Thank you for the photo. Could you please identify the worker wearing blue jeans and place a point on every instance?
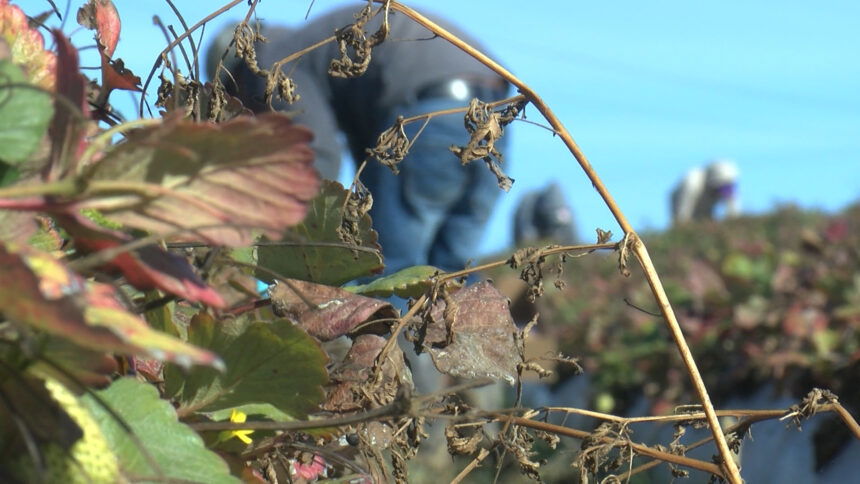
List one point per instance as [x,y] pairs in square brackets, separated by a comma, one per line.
[436,209]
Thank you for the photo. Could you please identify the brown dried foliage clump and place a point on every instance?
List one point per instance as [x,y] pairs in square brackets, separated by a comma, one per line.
[485,126]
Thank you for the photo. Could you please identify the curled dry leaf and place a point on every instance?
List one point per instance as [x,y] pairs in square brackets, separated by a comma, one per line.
[463,440]
[482,335]
[485,127]
[220,183]
[350,378]
[355,46]
[199,101]
[327,312]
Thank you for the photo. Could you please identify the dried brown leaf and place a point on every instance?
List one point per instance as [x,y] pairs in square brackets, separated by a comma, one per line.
[353,389]
[352,39]
[481,333]
[463,440]
[327,312]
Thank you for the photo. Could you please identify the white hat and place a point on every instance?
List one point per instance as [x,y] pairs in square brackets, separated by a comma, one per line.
[721,172]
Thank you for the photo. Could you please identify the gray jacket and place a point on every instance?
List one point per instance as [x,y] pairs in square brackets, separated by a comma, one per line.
[409,59]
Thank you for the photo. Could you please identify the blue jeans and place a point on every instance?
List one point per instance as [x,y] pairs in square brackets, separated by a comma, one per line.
[435,210]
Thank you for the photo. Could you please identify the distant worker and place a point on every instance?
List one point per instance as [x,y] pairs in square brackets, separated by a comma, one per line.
[544,215]
[435,210]
[700,192]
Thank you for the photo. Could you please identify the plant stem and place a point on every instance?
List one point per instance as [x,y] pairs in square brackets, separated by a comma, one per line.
[482,454]
[66,187]
[732,473]
[638,448]
[103,139]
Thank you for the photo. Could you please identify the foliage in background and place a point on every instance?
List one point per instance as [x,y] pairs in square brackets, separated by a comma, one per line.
[771,298]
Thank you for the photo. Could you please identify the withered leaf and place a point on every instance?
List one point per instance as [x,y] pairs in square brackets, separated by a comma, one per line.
[350,377]
[17,226]
[327,312]
[482,339]
[463,440]
[485,127]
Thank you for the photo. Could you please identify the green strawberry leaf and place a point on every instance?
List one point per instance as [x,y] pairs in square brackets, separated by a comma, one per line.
[275,363]
[410,282]
[315,262]
[173,452]
[25,113]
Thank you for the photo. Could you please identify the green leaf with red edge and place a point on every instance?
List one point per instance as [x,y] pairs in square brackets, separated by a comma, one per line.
[222,184]
[101,16]
[38,291]
[103,309]
[325,265]
[147,267]
[276,363]
[27,46]
[25,113]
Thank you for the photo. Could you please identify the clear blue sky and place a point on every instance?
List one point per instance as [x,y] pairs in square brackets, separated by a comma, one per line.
[648,90]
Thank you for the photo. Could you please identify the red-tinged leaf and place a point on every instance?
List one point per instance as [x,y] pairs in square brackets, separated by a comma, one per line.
[68,127]
[148,267]
[116,76]
[27,46]
[38,291]
[103,309]
[222,183]
[101,16]
[327,312]
[482,342]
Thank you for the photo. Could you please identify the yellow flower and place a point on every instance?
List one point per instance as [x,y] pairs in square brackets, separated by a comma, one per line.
[237,416]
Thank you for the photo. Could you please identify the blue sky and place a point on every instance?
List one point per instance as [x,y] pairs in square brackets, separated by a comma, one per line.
[648,90]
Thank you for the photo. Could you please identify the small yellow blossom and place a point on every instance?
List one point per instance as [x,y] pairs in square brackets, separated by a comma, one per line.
[237,416]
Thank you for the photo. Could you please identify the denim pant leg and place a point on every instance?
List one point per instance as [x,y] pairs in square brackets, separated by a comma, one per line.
[435,210]
[458,238]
